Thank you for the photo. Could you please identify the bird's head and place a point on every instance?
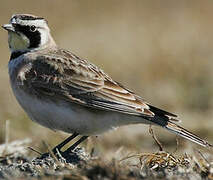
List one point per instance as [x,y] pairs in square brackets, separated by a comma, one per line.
[28,32]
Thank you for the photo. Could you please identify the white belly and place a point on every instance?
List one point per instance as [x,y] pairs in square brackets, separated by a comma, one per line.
[72,117]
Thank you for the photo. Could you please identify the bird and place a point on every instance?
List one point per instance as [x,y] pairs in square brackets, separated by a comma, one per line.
[62,91]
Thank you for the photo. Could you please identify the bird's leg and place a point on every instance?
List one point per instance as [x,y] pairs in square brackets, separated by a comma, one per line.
[62,144]
[66,153]
[72,147]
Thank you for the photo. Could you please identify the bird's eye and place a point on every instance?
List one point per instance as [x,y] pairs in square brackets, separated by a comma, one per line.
[32,28]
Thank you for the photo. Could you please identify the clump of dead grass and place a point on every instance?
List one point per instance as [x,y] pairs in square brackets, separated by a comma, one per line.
[15,163]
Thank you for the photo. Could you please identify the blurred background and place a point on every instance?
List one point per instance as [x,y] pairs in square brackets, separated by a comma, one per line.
[162,50]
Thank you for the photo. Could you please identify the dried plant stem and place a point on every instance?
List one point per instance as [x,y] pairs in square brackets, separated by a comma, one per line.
[155,138]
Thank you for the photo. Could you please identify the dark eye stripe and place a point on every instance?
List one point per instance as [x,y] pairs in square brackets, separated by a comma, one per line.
[34,37]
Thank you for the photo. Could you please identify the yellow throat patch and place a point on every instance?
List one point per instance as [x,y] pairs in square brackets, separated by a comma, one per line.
[18,42]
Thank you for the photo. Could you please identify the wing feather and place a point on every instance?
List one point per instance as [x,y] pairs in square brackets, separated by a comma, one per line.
[64,75]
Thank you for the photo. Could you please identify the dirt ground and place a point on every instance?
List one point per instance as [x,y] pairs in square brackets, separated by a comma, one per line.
[16,163]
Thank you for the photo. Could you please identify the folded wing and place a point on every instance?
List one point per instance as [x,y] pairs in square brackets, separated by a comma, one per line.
[65,76]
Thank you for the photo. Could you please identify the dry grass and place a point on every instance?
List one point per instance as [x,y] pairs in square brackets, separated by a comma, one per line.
[17,164]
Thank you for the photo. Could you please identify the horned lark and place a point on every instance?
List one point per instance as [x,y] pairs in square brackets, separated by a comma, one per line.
[62,91]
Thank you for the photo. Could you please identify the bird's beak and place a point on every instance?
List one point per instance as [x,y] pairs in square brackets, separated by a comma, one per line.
[8,27]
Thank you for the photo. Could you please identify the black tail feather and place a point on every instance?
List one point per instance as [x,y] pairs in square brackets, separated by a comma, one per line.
[174,128]
[166,120]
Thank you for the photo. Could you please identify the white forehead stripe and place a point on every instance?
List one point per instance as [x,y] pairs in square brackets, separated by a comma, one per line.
[25,22]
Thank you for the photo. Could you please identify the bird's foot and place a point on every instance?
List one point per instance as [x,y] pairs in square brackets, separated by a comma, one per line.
[73,156]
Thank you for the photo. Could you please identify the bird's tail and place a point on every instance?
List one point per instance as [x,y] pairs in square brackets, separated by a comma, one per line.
[186,134]
[167,120]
